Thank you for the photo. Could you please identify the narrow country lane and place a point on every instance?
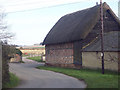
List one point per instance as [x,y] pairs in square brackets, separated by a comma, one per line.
[34,78]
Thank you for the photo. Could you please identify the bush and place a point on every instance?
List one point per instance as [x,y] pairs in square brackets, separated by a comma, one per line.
[5,66]
[7,52]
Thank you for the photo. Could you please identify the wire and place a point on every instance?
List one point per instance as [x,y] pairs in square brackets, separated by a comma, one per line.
[44,7]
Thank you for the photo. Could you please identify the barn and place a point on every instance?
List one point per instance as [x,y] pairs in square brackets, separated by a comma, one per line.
[66,42]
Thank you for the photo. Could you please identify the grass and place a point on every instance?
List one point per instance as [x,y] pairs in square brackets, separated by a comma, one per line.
[25,55]
[22,62]
[37,58]
[93,78]
[14,81]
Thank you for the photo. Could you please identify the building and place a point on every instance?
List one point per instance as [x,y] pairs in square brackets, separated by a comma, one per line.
[17,56]
[67,40]
[33,50]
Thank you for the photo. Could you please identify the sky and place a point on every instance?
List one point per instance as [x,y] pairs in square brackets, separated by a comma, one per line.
[31,20]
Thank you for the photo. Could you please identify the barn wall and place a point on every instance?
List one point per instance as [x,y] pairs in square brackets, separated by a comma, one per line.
[59,54]
[93,60]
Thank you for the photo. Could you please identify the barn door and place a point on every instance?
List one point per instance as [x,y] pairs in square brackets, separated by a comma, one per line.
[77,52]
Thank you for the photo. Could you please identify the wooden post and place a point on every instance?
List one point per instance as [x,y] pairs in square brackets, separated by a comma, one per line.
[102,37]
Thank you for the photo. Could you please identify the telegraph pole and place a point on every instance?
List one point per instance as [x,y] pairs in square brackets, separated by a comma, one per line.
[102,33]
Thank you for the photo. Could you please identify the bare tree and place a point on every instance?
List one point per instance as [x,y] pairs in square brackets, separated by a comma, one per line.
[4,33]
[110,58]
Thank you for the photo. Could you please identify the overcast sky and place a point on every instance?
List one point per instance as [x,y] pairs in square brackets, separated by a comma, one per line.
[31,20]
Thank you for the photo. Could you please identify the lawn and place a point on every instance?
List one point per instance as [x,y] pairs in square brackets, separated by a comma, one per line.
[93,78]
[14,81]
[36,58]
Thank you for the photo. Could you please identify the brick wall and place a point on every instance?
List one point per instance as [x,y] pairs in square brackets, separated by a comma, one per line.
[59,54]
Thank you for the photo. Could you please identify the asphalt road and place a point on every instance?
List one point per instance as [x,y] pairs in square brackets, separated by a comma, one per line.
[35,78]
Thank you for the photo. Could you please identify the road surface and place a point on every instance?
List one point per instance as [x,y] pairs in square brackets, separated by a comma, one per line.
[35,78]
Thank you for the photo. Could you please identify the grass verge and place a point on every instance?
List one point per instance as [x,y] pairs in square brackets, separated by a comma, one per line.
[22,62]
[37,58]
[14,81]
[24,55]
[93,78]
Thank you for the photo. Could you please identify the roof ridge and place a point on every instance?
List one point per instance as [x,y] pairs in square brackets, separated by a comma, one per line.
[80,10]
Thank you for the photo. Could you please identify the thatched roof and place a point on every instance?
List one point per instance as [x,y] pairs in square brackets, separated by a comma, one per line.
[111,42]
[76,26]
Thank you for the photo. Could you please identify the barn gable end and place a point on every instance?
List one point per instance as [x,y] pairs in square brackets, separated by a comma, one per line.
[110,24]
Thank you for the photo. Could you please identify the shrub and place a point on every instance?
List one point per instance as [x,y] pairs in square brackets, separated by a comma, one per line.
[5,66]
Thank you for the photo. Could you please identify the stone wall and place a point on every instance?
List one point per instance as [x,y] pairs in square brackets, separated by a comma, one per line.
[93,60]
[59,54]
[17,58]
